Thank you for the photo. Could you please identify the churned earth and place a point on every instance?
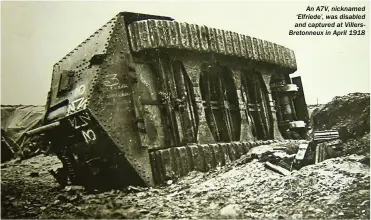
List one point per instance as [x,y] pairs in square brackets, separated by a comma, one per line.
[337,188]
[333,189]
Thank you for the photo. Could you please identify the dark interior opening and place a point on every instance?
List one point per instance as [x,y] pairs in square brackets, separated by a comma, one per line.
[219,94]
[258,103]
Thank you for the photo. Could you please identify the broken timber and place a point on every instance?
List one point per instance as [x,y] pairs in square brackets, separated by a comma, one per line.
[277,168]
[323,141]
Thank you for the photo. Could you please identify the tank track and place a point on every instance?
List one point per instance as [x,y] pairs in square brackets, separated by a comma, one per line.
[172,163]
[152,34]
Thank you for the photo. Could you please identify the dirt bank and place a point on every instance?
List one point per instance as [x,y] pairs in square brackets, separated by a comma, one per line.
[350,114]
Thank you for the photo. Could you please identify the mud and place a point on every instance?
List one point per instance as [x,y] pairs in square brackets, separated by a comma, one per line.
[336,188]
[350,114]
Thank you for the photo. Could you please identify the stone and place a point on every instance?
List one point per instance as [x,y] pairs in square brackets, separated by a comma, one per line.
[277,199]
[134,189]
[144,211]
[213,205]
[73,188]
[56,202]
[34,174]
[231,210]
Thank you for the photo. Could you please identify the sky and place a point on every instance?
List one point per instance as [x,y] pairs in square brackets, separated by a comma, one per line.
[36,35]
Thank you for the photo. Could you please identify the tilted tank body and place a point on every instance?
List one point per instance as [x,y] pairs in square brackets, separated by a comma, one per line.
[146,99]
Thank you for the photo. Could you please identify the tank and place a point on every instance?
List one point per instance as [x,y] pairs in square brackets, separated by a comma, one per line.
[146,99]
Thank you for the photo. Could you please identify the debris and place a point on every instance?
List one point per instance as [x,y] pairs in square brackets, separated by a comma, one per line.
[213,205]
[277,169]
[365,160]
[277,199]
[364,202]
[350,112]
[8,147]
[301,152]
[323,141]
[279,148]
[350,115]
[34,174]
[231,210]
[62,198]
[324,190]
[73,189]
[16,121]
[134,189]
[255,189]
[144,211]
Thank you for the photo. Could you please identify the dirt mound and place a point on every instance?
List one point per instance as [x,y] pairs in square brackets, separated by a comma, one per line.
[350,112]
[16,120]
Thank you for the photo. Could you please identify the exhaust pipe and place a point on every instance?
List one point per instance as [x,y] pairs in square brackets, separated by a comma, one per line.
[43,129]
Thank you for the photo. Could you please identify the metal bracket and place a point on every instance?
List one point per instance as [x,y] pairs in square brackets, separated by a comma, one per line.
[140,125]
[150,102]
[179,103]
[285,88]
[297,124]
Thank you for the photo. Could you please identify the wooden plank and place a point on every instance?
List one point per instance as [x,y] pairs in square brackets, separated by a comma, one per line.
[277,169]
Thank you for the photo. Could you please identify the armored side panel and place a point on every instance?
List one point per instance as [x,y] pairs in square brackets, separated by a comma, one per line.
[299,101]
[146,99]
[91,96]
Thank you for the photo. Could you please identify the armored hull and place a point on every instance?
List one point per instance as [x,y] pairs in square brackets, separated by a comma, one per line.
[146,99]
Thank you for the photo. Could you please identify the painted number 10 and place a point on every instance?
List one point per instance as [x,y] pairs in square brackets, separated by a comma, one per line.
[89,136]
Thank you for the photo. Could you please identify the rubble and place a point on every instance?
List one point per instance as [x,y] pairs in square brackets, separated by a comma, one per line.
[237,190]
[277,169]
[16,120]
[231,210]
[336,188]
[350,114]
